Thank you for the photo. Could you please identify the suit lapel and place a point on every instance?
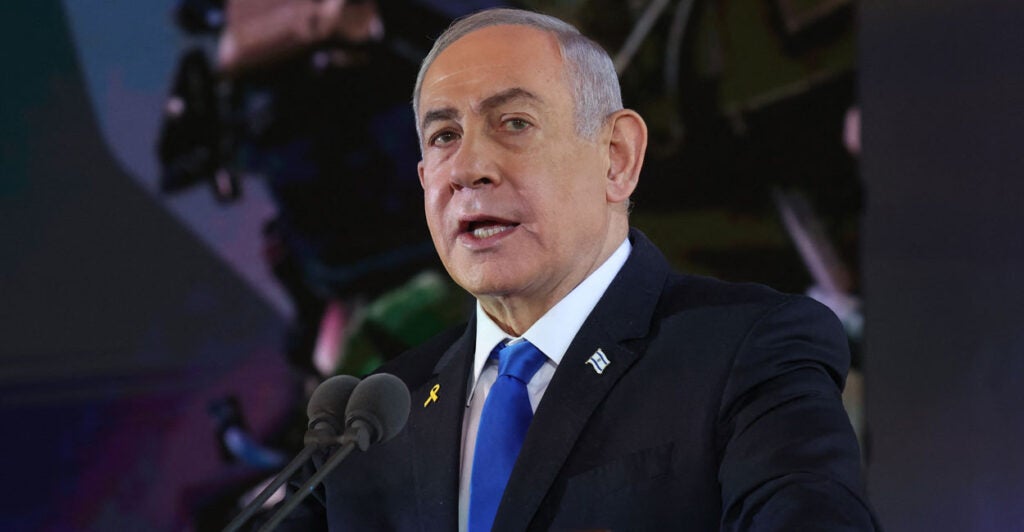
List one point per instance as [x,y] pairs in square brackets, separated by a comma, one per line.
[618,326]
[435,428]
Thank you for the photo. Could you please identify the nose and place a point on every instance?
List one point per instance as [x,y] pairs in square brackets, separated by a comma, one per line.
[473,165]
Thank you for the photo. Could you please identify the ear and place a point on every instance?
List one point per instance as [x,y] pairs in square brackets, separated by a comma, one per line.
[419,170]
[626,148]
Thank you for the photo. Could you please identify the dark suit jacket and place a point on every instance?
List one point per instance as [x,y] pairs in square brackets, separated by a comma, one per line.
[720,409]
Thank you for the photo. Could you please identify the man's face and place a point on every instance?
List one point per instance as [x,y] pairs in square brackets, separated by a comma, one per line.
[514,198]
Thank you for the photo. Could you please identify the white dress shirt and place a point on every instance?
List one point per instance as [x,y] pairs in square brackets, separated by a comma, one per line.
[552,334]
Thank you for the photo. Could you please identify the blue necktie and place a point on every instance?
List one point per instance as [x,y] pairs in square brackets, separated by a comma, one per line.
[503,423]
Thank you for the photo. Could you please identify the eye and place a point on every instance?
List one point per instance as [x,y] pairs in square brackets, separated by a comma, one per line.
[516,124]
[442,138]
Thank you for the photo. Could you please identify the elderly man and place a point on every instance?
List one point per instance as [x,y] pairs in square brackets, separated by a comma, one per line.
[593,388]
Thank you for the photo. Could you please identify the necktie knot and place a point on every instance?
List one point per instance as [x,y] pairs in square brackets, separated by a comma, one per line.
[520,361]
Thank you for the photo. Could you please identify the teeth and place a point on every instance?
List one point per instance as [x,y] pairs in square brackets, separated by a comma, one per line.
[489,231]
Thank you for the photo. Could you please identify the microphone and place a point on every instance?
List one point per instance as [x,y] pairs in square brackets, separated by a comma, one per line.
[376,412]
[324,410]
[327,400]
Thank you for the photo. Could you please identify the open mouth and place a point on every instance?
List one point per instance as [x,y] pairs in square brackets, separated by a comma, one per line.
[482,229]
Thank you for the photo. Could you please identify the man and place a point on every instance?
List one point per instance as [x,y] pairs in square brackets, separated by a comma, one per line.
[659,401]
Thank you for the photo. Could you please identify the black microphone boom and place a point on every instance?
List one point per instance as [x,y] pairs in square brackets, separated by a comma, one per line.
[328,400]
[376,412]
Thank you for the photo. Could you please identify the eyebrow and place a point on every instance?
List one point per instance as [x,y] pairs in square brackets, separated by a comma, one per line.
[489,103]
[507,95]
[436,115]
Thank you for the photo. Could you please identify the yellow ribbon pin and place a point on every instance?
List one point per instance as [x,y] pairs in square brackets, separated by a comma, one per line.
[433,395]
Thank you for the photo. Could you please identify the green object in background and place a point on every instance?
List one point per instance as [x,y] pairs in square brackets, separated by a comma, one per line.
[402,318]
[419,309]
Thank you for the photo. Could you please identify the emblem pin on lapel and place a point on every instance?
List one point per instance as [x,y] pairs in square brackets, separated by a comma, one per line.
[433,395]
[598,361]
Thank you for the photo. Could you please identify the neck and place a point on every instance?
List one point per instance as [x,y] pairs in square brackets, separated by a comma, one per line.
[513,315]
[516,313]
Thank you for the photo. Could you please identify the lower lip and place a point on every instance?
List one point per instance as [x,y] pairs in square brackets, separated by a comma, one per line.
[468,240]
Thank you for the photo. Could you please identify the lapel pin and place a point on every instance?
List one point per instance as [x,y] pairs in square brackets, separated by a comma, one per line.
[433,395]
[598,361]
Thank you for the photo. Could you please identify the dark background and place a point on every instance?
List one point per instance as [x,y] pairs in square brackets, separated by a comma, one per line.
[943,256]
[120,320]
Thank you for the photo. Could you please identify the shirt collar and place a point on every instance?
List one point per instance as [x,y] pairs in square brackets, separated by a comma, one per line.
[555,330]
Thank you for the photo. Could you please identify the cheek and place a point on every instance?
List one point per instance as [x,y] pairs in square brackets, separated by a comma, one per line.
[431,195]
[434,202]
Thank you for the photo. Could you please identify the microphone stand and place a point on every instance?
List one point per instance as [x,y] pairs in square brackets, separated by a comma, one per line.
[313,443]
[357,435]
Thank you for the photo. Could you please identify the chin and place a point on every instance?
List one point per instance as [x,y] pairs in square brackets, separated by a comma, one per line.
[486,282]
[482,288]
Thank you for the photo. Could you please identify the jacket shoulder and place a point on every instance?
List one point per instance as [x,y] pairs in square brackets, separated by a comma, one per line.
[417,364]
[683,290]
[740,303]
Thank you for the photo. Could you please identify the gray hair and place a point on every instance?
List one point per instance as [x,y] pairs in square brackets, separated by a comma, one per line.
[589,71]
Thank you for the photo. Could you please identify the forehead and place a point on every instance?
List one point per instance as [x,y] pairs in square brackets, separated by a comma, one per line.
[491,60]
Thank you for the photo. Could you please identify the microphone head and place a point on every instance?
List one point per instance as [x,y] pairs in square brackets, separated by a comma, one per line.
[381,401]
[329,400]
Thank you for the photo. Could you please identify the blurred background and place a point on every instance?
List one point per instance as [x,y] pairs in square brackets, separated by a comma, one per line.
[209,206]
